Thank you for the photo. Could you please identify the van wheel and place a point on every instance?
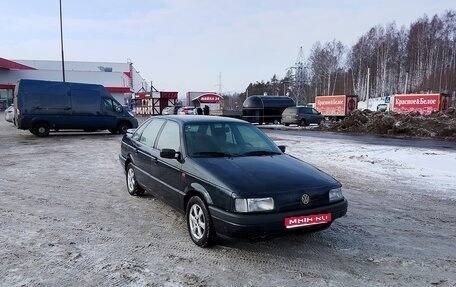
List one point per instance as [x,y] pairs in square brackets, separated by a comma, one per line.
[41,129]
[123,127]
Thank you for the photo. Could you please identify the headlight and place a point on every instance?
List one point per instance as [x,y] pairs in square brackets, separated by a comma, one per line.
[254,204]
[335,194]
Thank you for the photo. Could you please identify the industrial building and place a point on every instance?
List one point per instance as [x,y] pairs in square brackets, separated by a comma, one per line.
[122,80]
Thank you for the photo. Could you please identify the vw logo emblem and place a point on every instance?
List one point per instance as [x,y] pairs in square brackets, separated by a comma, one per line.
[305,199]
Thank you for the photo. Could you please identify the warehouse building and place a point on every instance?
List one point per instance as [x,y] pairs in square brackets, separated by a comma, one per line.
[122,80]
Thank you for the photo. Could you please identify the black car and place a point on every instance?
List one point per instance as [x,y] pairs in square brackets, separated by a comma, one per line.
[302,116]
[228,178]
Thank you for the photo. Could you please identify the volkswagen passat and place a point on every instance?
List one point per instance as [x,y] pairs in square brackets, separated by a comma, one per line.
[228,178]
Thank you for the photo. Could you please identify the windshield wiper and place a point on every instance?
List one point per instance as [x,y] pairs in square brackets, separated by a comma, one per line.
[214,154]
[260,152]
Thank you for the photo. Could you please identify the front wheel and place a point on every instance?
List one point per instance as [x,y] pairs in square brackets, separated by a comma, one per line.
[123,127]
[199,222]
[41,129]
[132,184]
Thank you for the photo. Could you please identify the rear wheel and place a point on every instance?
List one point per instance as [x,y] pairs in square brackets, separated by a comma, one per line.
[132,185]
[41,129]
[199,222]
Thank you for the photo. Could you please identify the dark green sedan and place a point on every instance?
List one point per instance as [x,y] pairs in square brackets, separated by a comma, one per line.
[228,178]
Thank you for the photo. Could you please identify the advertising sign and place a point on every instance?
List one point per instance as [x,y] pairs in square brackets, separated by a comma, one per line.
[422,103]
[331,105]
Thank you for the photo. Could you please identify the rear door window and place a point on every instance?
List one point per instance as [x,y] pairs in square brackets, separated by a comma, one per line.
[169,137]
[150,133]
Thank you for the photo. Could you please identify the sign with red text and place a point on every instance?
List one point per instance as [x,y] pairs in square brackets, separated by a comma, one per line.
[298,221]
[422,103]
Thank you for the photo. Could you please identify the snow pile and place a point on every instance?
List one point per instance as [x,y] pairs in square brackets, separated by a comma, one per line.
[440,125]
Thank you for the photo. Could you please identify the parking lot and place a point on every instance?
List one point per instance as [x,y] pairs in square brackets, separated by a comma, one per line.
[67,220]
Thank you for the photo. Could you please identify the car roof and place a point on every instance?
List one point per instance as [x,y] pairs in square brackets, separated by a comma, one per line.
[199,119]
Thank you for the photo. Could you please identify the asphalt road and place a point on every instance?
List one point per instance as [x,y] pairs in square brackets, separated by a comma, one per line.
[362,138]
[66,219]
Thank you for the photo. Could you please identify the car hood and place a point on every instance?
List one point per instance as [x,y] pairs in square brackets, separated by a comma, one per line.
[262,175]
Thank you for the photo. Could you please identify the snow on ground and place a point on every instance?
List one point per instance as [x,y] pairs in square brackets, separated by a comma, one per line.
[429,170]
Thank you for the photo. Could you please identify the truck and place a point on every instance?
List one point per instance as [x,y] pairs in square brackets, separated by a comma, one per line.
[336,106]
[422,103]
[44,105]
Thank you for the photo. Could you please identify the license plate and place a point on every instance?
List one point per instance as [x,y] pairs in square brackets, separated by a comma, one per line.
[306,220]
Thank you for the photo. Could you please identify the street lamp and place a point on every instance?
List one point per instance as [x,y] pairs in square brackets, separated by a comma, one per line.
[61,41]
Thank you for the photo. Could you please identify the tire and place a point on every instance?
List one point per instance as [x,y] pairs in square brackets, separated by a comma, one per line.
[133,187]
[199,222]
[41,129]
[123,127]
[286,125]
[303,123]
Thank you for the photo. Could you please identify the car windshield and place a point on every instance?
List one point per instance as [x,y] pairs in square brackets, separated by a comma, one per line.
[227,139]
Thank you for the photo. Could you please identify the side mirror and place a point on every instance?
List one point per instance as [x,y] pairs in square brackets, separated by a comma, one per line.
[130,132]
[168,153]
[282,148]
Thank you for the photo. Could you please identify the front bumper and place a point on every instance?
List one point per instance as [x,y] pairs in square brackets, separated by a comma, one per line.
[241,225]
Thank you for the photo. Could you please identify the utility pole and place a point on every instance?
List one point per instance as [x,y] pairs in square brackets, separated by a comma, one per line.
[406,80]
[299,77]
[61,41]
[220,84]
[367,94]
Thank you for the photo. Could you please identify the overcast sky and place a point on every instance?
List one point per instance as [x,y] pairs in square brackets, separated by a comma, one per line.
[183,45]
